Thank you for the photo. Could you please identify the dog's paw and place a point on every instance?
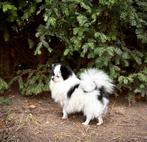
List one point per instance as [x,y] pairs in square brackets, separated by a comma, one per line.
[64,117]
[85,124]
[99,123]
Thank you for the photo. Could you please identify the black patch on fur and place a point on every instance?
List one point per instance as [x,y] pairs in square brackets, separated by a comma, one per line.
[103,93]
[65,72]
[71,90]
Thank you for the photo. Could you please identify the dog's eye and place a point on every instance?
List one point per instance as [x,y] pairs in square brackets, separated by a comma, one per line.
[57,76]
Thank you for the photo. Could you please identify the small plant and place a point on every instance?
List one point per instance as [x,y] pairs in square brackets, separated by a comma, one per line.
[3,85]
[32,82]
[5,101]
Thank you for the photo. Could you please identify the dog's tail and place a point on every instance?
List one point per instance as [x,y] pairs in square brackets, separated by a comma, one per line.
[93,79]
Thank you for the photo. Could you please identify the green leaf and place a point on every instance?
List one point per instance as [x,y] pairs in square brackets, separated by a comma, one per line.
[125,81]
[87,7]
[66,52]
[125,55]
[6,6]
[137,58]
[118,51]
[142,86]
[82,19]
[51,21]
[31,43]
[100,36]
[38,49]
[3,85]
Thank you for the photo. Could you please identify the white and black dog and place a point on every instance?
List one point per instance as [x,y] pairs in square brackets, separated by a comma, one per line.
[88,94]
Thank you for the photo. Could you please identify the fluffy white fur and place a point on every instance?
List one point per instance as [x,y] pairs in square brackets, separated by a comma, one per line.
[92,77]
[85,97]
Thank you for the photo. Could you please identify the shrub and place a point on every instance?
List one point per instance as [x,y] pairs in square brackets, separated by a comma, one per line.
[32,82]
[110,33]
[107,34]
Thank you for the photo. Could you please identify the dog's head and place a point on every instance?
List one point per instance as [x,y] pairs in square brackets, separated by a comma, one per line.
[60,72]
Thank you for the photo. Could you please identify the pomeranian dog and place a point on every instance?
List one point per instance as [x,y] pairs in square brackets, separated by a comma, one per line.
[88,94]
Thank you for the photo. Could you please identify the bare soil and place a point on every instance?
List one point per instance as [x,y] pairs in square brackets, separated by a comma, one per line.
[38,119]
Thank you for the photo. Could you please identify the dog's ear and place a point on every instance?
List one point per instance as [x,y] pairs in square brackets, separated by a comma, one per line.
[65,71]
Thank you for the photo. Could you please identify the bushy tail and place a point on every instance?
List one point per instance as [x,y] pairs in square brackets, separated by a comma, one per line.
[93,79]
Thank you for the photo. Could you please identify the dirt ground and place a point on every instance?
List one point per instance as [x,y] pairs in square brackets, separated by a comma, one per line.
[38,119]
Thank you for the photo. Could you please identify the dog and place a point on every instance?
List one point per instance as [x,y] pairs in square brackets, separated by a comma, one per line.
[88,94]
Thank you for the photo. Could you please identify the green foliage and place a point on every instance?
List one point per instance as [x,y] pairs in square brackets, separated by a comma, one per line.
[5,101]
[3,85]
[110,34]
[32,82]
[15,16]
[133,13]
[98,31]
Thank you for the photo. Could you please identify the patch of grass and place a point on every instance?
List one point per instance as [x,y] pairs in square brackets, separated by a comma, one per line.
[5,101]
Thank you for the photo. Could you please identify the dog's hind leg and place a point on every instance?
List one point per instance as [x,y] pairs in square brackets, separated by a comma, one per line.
[100,120]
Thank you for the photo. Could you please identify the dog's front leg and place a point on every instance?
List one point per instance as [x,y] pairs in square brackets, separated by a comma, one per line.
[65,115]
[86,121]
